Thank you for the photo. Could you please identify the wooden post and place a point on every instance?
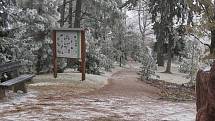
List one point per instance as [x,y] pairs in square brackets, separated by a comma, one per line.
[54,54]
[83,55]
[2,92]
[21,87]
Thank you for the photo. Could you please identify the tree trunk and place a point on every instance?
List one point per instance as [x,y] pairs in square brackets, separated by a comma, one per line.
[168,66]
[62,13]
[139,22]
[205,94]
[160,57]
[212,47]
[39,64]
[70,13]
[120,61]
[160,44]
[120,44]
[77,23]
[192,64]
[202,79]
[170,45]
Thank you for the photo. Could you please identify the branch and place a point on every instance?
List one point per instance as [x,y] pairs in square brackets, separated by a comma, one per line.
[127,3]
[200,40]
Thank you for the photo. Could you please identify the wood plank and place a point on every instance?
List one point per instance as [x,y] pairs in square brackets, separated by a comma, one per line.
[10,66]
[22,78]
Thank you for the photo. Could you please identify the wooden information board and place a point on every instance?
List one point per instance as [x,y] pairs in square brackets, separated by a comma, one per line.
[69,43]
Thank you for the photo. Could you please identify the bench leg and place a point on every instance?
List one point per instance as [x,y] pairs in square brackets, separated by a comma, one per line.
[20,86]
[2,93]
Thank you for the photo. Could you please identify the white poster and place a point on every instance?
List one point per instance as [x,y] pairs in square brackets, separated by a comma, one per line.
[68,44]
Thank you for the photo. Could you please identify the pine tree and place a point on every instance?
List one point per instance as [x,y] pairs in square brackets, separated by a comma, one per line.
[163,16]
[8,46]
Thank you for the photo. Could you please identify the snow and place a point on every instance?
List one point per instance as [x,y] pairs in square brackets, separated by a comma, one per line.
[29,106]
[86,108]
[71,79]
[54,106]
[175,77]
[207,68]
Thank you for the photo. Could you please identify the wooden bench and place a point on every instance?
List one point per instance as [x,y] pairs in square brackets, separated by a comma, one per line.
[15,81]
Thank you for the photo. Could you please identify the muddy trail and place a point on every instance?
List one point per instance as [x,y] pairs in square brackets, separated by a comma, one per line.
[125,98]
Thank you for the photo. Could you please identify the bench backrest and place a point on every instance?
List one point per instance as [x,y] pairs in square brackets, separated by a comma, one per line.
[10,67]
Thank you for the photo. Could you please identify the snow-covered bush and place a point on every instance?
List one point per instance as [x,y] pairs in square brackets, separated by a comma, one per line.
[7,44]
[148,62]
[189,67]
[185,66]
[190,64]
[96,58]
[28,24]
[96,61]
[92,61]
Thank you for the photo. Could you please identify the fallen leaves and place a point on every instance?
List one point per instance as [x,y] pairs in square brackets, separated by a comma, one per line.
[174,92]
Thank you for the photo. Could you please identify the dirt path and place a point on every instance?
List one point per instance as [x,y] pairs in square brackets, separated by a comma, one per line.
[125,98]
[125,83]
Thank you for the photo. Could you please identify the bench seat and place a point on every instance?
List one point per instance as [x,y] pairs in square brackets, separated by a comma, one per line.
[19,79]
[17,83]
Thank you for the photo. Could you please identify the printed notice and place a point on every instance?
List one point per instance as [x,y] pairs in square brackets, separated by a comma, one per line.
[68,44]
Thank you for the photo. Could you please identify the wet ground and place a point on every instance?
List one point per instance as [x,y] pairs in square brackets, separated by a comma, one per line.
[125,98]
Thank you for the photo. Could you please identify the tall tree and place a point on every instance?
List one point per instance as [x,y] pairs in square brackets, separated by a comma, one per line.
[106,23]
[33,23]
[163,16]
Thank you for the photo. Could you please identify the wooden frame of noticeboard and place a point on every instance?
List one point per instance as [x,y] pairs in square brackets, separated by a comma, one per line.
[69,43]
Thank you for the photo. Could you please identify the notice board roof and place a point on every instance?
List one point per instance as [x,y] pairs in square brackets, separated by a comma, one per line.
[68,29]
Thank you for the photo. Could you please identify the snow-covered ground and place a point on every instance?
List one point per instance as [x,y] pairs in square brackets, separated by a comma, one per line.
[175,77]
[30,108]
[52,99]
[71,79]
[24,107]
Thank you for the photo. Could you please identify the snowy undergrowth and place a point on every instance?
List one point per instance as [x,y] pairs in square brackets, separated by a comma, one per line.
[71,79]
[175,77]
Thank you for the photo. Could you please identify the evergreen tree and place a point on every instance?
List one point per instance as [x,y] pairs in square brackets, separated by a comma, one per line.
[163,16]
[8,46]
